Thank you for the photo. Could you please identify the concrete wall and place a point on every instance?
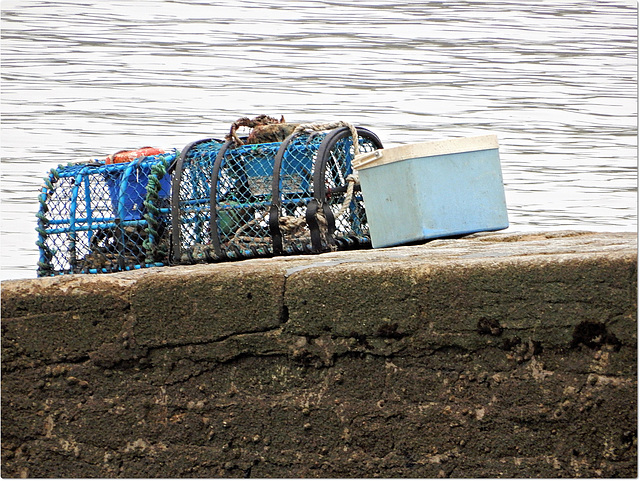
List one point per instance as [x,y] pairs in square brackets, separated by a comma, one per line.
[497,355]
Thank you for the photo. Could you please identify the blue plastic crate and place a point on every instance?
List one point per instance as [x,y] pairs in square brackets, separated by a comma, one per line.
[128,188]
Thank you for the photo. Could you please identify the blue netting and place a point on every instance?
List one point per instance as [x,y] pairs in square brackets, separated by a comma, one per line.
[191,198]
[103,218]
[243,197]
[295,189]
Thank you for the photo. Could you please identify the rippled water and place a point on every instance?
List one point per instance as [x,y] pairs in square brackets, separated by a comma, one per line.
[554,80]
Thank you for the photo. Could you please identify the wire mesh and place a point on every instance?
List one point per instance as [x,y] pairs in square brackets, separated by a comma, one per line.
[349,215]
[191,202]
[294,192]
[244,177]
[97,218]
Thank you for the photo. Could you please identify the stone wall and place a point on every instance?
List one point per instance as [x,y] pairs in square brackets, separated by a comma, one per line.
[495,355]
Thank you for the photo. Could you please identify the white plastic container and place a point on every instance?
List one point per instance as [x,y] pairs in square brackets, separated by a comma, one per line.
[433,189]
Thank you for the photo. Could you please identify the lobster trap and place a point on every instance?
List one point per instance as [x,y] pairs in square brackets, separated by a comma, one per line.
[98,217]
[215,200]
[275,198]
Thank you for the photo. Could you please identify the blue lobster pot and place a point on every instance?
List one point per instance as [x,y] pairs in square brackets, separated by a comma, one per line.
[433,189]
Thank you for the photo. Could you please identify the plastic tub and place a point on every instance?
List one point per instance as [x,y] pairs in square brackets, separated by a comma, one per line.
[436,189]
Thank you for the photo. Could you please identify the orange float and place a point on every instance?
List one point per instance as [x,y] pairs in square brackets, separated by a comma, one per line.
[129,155]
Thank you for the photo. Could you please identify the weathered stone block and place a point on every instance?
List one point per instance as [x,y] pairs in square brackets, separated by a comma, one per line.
[496,355]
[192,305]
[351,300]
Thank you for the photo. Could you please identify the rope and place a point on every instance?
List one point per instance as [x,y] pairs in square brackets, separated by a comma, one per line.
[152,247]
[315,127]
[352,180]
[197,253]
[291,225]
[247,239]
